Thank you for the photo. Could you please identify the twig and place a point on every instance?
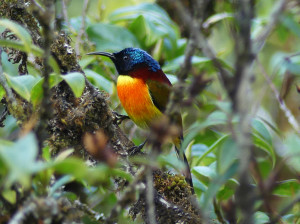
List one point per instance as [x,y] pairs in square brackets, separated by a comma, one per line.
[264,191]
[201,42]
[3,116]
[45,17]
[82,26]
[151,216]
[21,215]
[87,210]
[65,13]
[290,117]
[218,212]
[285,210]
[128,196]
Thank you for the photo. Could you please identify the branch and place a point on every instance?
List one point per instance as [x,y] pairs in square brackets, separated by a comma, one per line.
[82,26]
[290,117]
[202,43]
[45,18]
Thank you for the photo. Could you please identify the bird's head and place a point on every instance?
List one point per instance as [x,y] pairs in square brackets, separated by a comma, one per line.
[130,59]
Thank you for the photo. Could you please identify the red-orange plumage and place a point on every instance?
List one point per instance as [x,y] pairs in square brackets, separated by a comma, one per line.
[135,95]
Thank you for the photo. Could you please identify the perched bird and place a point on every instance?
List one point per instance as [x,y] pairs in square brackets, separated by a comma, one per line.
[144,89]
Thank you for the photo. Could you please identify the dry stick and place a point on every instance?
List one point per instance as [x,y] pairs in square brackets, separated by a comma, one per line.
[82,26]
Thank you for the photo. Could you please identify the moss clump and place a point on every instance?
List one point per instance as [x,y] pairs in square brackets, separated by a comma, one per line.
[175,189]
[65,54]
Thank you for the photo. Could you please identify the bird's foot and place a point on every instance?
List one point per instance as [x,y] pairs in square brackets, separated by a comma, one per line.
[137,149]
[119,118]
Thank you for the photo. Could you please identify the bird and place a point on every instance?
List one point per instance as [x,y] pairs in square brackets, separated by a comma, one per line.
[144,90]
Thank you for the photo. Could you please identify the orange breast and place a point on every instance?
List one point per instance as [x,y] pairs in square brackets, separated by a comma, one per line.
[136,100]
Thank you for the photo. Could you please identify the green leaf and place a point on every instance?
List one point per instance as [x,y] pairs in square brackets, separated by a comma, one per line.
[227,155]
[227,190]
[149,23]
[99,81]
[212,148]
[205,173]
[292,150]
[22,84]
[293,67]
[20,158]
[174,64]
[37,90]
[215,118]
[19,31]
[261,218]
[215,185]
[188,152]
[287,188]
[59,183]
[169,160]
[92,175]
[111,37]
[2,92]
[289,22]
[264,145]
[76,81]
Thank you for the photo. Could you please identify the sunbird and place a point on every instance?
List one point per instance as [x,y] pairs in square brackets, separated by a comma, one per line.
[144,90]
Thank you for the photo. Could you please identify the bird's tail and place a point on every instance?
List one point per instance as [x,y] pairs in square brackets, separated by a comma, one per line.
[181,155]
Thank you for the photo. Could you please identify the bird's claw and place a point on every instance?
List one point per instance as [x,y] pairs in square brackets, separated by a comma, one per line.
[119,118]
[137,149]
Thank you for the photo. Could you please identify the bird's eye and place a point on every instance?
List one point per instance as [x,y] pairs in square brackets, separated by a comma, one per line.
[125,58]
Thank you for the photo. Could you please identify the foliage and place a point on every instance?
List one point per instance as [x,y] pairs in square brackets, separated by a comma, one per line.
[210,141]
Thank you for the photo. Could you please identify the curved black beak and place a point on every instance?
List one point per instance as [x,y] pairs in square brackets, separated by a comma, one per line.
[106,54]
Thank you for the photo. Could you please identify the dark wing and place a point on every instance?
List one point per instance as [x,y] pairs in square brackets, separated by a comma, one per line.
[159,93]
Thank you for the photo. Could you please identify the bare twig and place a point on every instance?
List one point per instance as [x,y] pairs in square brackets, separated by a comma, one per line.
[82,26]
[65,13]
[290,117]
[151,216]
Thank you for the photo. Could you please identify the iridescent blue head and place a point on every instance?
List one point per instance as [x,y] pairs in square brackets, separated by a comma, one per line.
[130,59]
